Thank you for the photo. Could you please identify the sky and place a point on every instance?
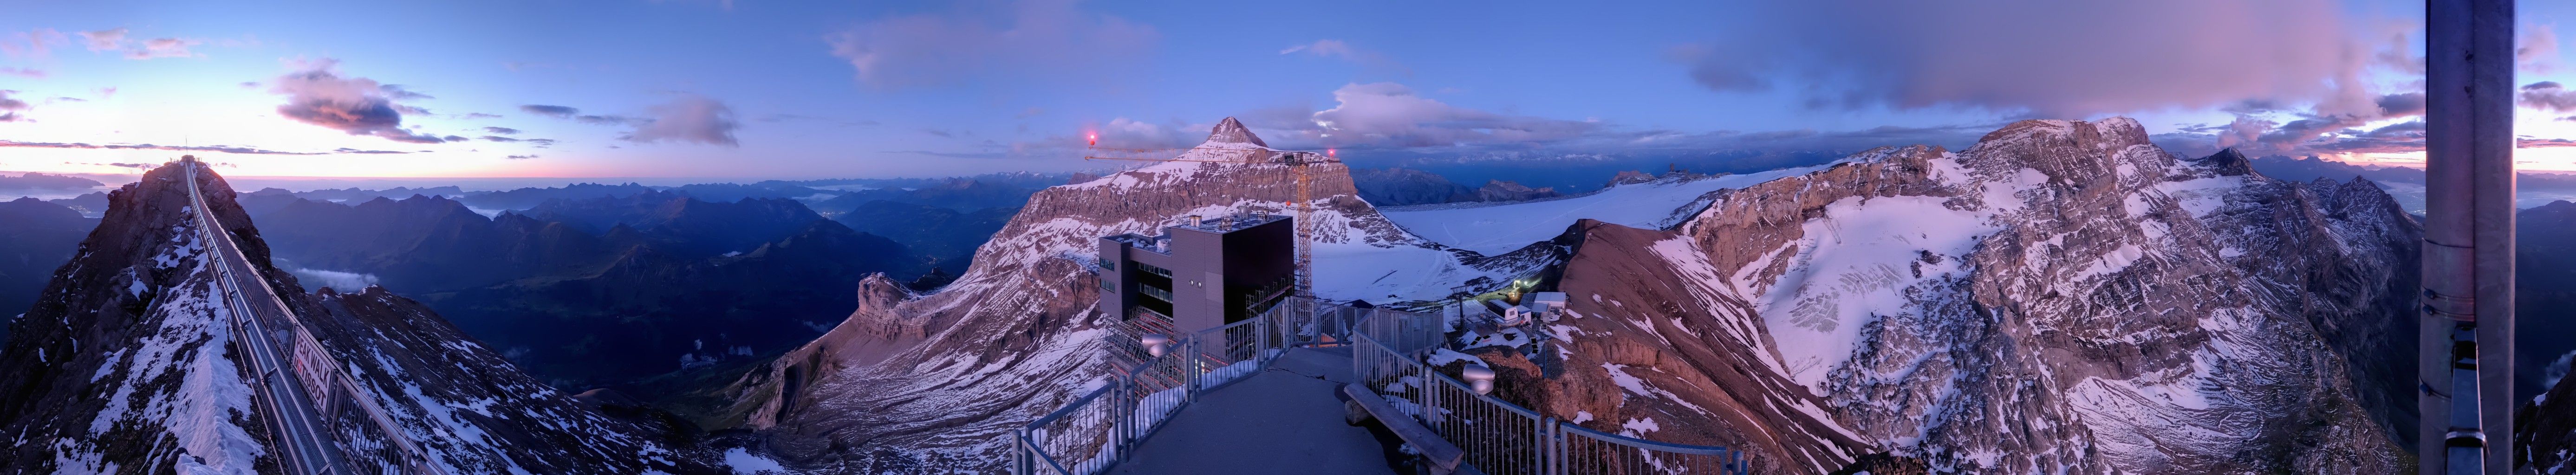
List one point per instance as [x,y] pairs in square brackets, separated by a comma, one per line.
[752,89]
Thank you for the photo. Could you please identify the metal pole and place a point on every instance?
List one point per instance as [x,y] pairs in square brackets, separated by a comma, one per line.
[2467,301]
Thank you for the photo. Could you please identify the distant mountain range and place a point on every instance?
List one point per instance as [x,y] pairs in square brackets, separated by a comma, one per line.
[1405,186]
[603,289]
[39,237]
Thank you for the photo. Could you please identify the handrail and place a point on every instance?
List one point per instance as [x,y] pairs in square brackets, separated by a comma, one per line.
[417,459]
[1538,445]
[1649,444]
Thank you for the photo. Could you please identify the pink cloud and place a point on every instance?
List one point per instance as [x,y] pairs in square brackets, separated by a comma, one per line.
[691,118]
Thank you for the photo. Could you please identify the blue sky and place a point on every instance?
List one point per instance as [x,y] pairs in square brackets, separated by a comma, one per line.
[753,89]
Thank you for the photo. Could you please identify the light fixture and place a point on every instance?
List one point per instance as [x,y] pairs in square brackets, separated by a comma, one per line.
[1479,378]
[1156,343]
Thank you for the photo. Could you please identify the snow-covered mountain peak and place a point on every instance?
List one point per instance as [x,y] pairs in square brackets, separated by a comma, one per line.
[1230,131]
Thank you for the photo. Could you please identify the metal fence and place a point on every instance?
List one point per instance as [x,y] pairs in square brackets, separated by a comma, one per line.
[1500,437]
[1583,450]
[361,427]
[1097,429]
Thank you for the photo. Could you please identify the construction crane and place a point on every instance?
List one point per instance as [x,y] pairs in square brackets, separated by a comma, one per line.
[1295,160]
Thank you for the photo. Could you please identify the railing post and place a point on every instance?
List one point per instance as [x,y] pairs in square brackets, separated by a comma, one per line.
[1545,446]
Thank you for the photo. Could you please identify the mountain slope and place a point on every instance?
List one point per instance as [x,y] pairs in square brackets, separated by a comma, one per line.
[2062,296]
[125,365]
[933,381]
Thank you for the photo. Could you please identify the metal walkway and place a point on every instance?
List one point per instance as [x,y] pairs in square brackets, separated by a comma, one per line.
[304,431]
[1284,420]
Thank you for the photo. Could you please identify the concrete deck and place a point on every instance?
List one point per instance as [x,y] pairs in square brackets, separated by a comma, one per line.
[1284,420]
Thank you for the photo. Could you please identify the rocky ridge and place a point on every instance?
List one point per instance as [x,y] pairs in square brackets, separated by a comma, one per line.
[125,364]
[2063,297]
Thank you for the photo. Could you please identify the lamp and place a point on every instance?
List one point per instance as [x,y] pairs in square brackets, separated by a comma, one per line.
[1479,378]
[1156,343]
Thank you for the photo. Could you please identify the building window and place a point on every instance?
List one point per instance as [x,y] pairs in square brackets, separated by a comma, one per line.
[1150,269]
[1108,265]
[1149,290]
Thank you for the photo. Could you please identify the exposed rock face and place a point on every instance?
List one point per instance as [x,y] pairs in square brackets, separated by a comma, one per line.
[1627,177]
[2546,433]
[2061,297]
[934,382]
[1229,131]
[1498,190]
[125,364]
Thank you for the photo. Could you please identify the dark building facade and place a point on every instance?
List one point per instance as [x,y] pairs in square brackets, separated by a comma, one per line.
[1201,274]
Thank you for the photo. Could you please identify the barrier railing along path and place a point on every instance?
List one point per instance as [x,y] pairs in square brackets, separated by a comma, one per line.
[348,433]
[1101,428]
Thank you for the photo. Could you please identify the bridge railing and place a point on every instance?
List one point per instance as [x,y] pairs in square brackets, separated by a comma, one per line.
[350,412]
[1500,437]
[1097,429]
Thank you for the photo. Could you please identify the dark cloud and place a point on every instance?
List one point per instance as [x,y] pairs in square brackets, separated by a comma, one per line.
[29,73]
[2548,96]
[559,112]
[940,132]
[497,138]
[319,96]
[250,84]
[370,152]
[2050,59]
[410,110]
[9,108]
[453,138]
[397,92]
[479,115]
[1029,36]
[609,120]
[175,148]
[690,118]
[521,157]
[501,130]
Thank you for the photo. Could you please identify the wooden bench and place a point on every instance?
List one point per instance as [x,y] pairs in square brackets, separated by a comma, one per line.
[1444,458]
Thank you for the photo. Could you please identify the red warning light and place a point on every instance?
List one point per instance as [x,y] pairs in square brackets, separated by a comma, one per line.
[1095,139]
[1328,152]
